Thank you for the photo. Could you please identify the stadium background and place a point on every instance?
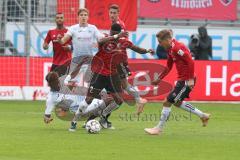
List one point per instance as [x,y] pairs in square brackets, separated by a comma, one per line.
[24,24]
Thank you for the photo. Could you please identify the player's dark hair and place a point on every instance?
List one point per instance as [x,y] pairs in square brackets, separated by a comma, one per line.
[52,79]
[116,27]
[114,6]
[83,10]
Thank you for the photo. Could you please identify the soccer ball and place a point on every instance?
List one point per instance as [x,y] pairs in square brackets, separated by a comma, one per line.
[93,126]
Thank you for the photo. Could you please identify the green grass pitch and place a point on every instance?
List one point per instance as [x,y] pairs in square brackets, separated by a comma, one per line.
[24,136]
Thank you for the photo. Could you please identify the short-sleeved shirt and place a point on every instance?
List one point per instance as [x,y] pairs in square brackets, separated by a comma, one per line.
[60,56]
[84,39]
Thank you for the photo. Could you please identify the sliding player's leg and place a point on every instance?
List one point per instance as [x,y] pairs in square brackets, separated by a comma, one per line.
[98,82]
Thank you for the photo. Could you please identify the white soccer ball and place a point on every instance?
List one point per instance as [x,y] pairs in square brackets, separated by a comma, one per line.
[93,126]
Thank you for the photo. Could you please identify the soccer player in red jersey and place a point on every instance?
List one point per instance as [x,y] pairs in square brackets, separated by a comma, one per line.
[114,12]
[61,52]
[179,54]
[104,68]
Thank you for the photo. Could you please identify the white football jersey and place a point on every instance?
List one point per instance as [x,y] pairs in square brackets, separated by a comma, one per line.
[73,101]
[84,39]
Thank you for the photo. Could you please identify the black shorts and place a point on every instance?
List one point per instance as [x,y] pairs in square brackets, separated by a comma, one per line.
[123,70]
[112,83]
[60,69]
[179,93]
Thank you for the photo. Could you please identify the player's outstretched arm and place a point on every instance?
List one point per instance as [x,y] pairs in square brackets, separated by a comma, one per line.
[141,50]
[48,111]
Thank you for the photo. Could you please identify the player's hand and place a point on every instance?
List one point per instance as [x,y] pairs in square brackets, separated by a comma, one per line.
[151,51]
[123,34]
[47,119]
[156,82]
[190,83]
[45,46]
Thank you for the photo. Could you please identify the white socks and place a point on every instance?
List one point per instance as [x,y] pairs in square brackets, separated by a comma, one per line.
[95,106]
[164,117]
[189,108]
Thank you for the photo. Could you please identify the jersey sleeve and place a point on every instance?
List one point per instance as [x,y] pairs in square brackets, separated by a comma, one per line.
[50,103]
[52,100]
[48,37]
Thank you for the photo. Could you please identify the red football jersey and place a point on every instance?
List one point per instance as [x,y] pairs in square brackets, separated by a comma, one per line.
[60,56]
[109,55]
[181,56]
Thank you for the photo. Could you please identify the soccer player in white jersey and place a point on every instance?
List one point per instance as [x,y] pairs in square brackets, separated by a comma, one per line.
[84,39]
[69,103]
[84,35]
